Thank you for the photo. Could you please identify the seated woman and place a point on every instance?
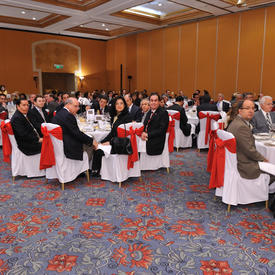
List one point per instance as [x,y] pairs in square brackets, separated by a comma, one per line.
[119,115]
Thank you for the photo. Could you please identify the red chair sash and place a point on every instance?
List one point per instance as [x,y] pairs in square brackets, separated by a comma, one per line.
[209,117]
[47,158]
[6,131]
[3,115]
[171,131]
[132,133]
[217,173]
[175,116]
[211,151]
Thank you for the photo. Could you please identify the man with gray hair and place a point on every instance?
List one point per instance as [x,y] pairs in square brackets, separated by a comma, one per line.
[222,105]
[263,119]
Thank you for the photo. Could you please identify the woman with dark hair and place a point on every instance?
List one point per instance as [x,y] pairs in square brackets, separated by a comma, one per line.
[119,115]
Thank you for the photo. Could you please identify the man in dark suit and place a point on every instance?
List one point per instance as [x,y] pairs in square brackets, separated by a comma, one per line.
[38,115]
[64,97]
[155,127]
[177,106]
[221,104]
[134,110]
[27,137]
[263,119]
[250,96]
[73,138]
[102,108]
[205,104]
[3,107]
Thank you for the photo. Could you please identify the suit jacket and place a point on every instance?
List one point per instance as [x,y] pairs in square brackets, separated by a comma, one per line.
[3,109]
[59,107]
[225,106]
[73,138]
[25,135]
[135,113]
[259,122]
[97,108]
[184,126]
[36,119]
[156,130]
[247,155]
[122,119]
[207,107]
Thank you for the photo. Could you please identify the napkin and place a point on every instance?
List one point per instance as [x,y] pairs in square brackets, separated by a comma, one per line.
[267,167]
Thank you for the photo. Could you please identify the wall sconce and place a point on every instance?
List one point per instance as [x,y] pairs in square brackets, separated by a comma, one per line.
[35,78]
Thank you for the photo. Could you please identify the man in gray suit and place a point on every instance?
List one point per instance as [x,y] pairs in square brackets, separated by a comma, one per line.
[263,119]
[247,155]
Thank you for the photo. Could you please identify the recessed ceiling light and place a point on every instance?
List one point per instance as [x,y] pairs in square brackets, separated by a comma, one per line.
[159,4]
[23,12]
[106,29]
[103,25]
[81,26]
[34,18]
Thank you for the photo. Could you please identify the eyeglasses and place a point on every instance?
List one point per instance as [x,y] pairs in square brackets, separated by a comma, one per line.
[249,108]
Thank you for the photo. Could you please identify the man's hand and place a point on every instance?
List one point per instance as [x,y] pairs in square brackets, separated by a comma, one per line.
[144,136]
[95,144]
[266,160]
[40,140]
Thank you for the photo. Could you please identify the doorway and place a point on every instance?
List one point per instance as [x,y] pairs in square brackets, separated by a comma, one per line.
[58,81]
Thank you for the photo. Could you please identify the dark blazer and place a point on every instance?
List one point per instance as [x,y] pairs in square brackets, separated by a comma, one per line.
[247,154]
[136,113]
[25,135]
[59,107]
[259,122]
[73,138]
[225,106]
[122,119]
[184,126]
[207,107]
[156,131]
[97,108]
[3,109]
[36,119]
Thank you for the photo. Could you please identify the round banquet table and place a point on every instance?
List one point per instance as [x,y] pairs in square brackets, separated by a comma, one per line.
[97,134]
[268,151]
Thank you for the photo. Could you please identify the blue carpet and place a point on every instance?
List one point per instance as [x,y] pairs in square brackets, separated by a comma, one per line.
[166,224]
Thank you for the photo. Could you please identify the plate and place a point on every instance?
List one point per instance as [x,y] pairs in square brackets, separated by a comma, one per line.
[261,137]
[270,143]
[263,134]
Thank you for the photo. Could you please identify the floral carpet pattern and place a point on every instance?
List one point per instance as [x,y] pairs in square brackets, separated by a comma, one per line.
[164,224]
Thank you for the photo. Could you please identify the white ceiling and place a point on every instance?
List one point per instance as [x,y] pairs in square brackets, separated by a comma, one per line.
[86,22]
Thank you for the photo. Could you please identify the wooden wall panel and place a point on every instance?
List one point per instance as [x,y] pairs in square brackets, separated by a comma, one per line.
[171,54]
[226,68]
[157,74]
[206,55]
[188,58]
[131,64]
[268,84]
[251,45]
[143,61]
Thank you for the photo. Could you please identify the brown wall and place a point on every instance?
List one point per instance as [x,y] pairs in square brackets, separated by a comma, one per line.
[225,54]
[16,70]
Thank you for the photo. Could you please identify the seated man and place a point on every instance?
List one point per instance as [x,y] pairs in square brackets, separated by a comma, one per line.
[177,106]
[73,138]
[250,96]
[27,137]
[221,104]
[102,108]
[3,106]
[134,111]
[38,115]
[145,107]
[205,104]
[247,154]
[64,97]
[263,119]
[155,127]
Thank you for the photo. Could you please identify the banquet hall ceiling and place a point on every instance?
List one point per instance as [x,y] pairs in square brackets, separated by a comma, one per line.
[107,19]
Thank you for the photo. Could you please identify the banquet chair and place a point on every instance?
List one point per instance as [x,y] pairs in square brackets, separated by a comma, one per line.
[203,136]
[3,117]
[237,190]
[21,164]
[65,169]
[181,141]
[154,162]
[114,167]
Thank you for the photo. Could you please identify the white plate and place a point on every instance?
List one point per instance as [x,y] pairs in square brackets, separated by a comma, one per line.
[260,137]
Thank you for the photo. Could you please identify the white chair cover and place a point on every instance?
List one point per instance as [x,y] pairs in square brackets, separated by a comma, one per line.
[114,166]
[1,143]
[154,162]
[65,170]
[237,190]
[201,136]
[181,141]
[21,164]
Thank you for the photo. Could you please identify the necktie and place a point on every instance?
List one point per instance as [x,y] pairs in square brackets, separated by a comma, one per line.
[151,116]
[268,121]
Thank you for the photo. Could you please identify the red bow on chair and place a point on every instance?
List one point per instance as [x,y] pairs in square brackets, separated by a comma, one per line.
[211,151]
[217,173]
[175,116]
[47,158]
[208,123]
[132,133]
[171,131]
[6,131]
[3,115]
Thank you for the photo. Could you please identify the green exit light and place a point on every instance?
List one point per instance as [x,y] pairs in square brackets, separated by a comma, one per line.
[58,66]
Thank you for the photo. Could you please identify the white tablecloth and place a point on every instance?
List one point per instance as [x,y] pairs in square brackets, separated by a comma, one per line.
[97,134]
[267,151]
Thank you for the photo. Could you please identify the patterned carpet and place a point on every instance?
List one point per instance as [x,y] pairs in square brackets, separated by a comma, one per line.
[166,224]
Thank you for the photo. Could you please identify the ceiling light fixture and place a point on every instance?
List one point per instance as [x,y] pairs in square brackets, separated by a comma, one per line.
[241,3]
[159,4]
[81,26]
[103,25]
[23,12]
[34,18]
[106,29]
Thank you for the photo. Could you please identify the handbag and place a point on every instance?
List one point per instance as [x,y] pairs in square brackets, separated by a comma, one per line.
[121,145]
